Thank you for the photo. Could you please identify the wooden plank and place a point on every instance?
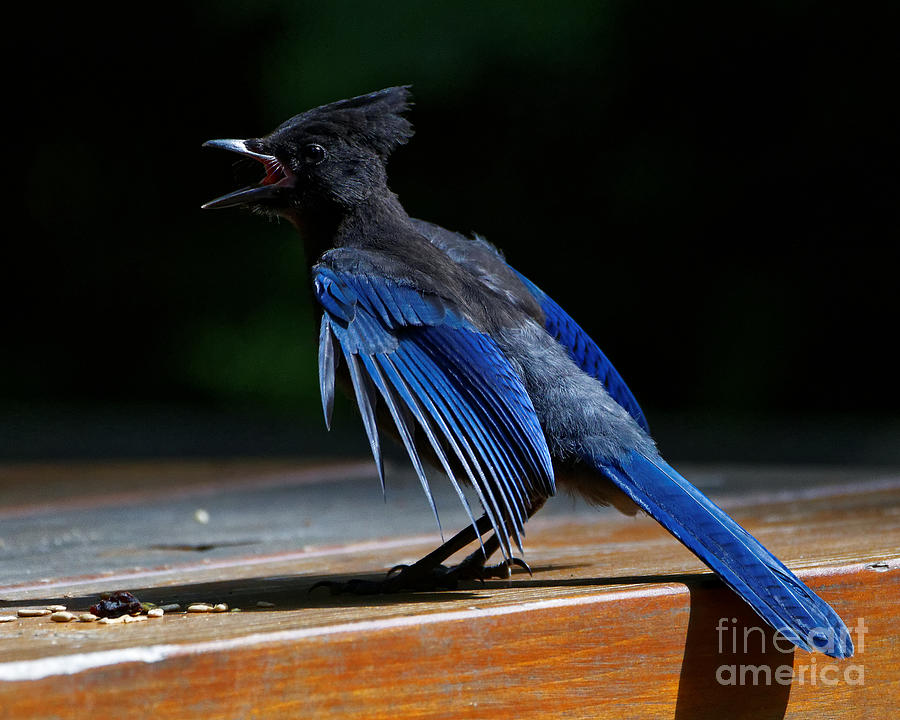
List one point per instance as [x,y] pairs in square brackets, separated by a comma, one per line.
[617,620]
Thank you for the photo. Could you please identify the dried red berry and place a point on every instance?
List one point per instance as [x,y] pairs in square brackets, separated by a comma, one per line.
[116,604]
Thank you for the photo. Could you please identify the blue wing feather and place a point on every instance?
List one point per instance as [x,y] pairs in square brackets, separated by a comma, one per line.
[496,440]
[362,387]
[434,369]
[403,428]
[395,369]
[326,370]
[584,351]
[465,434]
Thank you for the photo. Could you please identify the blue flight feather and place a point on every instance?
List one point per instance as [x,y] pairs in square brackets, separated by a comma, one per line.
[326,369]
[458,426]
[365,399]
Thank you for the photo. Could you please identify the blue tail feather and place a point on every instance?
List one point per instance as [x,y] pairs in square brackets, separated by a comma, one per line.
[761,579]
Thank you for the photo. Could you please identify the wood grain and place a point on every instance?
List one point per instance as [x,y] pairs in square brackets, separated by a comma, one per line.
[617,621]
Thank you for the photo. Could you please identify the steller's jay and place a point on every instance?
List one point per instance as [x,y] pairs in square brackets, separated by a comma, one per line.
[478,371]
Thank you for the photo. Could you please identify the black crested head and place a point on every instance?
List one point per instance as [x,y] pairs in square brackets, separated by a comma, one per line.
[374,121]
[324,161]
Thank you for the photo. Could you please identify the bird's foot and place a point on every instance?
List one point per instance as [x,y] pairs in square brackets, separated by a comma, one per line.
[442,576]
[415,578]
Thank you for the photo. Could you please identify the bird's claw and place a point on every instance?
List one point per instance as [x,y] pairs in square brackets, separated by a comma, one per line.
[396,569]
[503,570]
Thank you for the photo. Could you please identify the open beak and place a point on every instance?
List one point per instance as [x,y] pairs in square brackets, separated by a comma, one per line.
[277,178]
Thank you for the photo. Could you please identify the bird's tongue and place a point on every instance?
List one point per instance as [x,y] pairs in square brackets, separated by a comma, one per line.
[274,172]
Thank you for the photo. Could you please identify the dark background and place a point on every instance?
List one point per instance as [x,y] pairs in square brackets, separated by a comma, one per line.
[710,189]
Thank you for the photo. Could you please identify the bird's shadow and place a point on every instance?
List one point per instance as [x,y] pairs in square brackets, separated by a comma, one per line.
[734,664]
[730,662]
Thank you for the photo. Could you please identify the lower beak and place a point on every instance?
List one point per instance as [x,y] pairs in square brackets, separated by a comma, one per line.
[243,197]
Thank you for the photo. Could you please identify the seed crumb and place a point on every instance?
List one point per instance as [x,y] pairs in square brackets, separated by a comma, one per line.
[32,612]
[199,608]
[62,616]
[87,617]
[112,621]
[56,608]
[156,612]
[220,607]
[7,618]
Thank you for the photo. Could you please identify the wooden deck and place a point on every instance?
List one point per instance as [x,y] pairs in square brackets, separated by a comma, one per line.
[618,619]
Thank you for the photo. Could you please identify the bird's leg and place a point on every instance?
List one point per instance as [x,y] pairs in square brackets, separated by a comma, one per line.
[429,573]
[474,566]
[421,575]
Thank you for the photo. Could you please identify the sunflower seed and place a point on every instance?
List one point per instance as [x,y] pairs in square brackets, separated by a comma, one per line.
[33,612]
[199,608]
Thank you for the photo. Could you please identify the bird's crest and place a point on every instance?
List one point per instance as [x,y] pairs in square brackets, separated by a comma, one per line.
[375,119]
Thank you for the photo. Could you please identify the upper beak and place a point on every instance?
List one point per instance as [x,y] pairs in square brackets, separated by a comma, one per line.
[277,177]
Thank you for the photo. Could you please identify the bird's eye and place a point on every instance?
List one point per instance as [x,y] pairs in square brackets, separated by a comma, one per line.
[313,153]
